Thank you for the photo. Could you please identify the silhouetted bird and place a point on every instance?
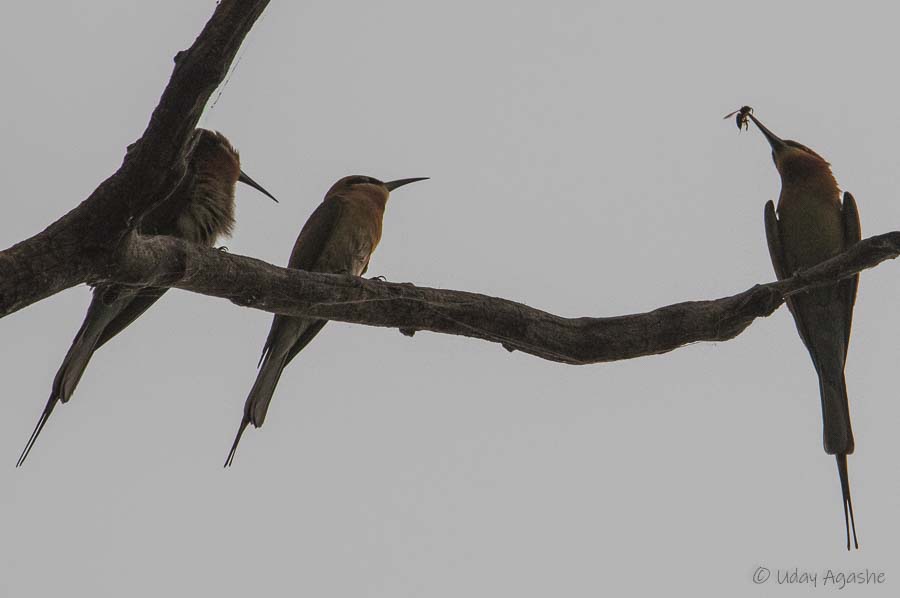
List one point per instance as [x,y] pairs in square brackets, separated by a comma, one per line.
[811,226]
[338,238]
[200,210]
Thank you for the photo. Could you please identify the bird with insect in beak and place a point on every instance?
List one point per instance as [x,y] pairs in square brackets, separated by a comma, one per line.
[811,225]
[338,238]
[199,210]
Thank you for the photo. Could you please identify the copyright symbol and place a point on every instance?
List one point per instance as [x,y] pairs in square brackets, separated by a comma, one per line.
[761,575]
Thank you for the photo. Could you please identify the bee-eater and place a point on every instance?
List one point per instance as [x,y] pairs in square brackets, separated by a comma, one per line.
[338,238]
[200,210]
[810,225]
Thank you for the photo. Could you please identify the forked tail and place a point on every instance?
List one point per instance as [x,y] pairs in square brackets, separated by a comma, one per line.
[51,403]
[237,439]
[848,503]
[74,364]
[257,403]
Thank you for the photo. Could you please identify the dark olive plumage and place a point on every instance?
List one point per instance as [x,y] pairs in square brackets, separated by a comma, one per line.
[810,225]
[200,210]
[338,238]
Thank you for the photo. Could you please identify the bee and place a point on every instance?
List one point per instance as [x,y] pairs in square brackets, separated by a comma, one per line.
[741,117]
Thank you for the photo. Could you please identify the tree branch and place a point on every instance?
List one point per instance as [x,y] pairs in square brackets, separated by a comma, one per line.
[96,242]
[77,246]
[248,282]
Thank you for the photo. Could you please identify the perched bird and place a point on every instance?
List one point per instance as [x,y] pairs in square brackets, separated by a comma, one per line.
[811,225]
[338,238]
[199,210]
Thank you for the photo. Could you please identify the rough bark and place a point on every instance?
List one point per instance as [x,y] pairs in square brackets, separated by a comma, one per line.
[248,282]
[78,245]
[96,242]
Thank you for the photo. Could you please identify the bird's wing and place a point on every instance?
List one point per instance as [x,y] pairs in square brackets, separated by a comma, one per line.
[280,325]
[289,334]
[773,237]
[310,243]
[852,235]
[310,333]
[315,234]
[162,218]
[782,271]
[287,337]
[312,240]
[141,301]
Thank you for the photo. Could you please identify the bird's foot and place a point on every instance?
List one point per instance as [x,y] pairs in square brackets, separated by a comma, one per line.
[223,248]
[352,279]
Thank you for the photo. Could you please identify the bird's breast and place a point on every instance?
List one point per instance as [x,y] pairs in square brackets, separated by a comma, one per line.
[810,225]
[209,213]
[355,237]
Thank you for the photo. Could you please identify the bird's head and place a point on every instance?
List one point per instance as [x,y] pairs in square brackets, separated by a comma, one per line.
[792,159]
[369,187]
[214,154]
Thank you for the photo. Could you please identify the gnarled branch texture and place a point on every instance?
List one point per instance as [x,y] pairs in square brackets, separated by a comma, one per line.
[166,261]
[96,242]
[76,247]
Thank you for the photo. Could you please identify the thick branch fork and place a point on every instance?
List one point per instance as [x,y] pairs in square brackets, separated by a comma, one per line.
[68,251]
[248,282]
[96,242]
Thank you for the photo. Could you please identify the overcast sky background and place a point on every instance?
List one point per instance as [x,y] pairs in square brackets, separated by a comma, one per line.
[579,164]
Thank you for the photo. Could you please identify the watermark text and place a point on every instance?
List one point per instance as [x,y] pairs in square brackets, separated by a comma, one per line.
[827,578]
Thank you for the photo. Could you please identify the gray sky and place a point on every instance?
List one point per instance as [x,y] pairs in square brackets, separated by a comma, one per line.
[579,164]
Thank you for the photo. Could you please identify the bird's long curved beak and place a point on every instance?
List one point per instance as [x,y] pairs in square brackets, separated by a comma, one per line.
[391,185]
[774,140]
[243,178]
